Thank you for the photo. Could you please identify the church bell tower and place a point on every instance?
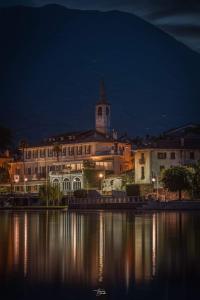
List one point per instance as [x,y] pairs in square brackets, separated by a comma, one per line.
[102,114]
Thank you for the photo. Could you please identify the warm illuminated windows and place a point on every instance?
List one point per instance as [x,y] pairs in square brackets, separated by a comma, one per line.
[107,165]
[88,149]
[42,153]
[79,150]
[50,152]
[64,151]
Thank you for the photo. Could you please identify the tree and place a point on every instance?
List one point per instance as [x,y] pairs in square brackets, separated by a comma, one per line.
[91,175]
[196,180]
[4,175]
[127,178]
[49,193]
[5,138]
[177,179]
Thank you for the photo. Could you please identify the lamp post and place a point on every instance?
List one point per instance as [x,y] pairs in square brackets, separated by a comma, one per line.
[101,178]
[16,180]
[70,183]
[155,179]
[25,181]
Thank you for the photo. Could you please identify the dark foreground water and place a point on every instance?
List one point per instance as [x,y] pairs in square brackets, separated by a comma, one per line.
[69,255]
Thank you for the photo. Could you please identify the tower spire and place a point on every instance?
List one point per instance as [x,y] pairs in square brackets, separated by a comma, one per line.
[102,93]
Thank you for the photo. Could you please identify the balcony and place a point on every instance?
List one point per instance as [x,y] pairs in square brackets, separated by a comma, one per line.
[109,152]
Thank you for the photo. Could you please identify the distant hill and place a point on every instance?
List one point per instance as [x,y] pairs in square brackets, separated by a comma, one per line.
[51,60]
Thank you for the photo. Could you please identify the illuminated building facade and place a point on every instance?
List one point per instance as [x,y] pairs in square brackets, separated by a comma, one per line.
[60,158]
[177,147]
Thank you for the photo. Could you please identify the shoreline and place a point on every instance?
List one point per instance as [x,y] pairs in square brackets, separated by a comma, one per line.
[190,205]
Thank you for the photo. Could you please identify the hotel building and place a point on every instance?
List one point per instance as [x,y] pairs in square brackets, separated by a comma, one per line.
[60,159]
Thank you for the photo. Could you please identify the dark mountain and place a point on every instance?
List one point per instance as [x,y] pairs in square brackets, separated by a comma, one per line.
[51,60]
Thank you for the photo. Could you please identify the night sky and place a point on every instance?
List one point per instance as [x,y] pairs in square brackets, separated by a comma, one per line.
[53,58]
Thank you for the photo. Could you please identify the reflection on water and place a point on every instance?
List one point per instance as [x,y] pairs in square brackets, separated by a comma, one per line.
[120,252]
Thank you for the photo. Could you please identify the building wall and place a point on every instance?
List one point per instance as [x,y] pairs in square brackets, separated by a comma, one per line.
[156,160]
[39,161]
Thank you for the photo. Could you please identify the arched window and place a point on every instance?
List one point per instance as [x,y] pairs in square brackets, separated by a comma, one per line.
[107,111]
[100,111]
[56,183]
[76,184]
[66,185]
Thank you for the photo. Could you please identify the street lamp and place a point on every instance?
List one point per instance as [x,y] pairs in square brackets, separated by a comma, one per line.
[25,180]
[16,180]
[101,177]
[155,179]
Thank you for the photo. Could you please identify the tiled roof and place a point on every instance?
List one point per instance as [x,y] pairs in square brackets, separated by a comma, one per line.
[173,143]
[75,137]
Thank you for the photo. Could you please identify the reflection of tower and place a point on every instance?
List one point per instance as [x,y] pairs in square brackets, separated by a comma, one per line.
[102,115]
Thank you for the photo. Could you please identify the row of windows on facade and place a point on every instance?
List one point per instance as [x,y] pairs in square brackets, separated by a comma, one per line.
[66,185]
[65,151]
[163,155]
[172,155]
[162,168]
[73,167]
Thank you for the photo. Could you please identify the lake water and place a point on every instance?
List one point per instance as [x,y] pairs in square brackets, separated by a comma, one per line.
[71,255]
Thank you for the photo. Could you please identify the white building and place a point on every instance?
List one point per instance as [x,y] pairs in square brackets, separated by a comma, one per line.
[178,147]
